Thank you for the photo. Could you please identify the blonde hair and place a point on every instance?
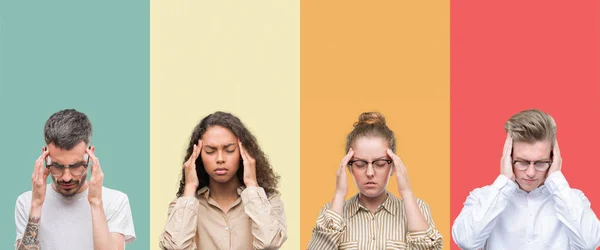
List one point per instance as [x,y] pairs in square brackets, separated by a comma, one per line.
[371,124]
[531,125]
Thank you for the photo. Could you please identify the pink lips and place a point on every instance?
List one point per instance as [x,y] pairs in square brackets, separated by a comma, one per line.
[221,171]
[528,180]
[370,184]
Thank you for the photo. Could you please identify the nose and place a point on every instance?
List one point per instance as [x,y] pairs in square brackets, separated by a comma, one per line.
[66,176]
[220,159]
[370,171]
[530,171]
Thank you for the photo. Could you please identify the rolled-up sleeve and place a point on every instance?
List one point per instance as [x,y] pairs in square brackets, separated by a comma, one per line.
[269,229]
[328,230]
[181,226]
[429,239]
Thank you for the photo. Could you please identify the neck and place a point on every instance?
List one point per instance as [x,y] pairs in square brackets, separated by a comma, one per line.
[226,191]
[372,203]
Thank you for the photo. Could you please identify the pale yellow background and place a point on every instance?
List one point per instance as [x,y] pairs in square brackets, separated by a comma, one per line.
[241,57]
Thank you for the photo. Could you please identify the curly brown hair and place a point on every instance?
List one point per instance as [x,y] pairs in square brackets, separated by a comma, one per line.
[265,176]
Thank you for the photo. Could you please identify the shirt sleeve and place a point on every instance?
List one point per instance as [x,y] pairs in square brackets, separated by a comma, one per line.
[430,239]
[269,229]
[574,211]
[120,220]
[328,230]
[21,216]
[477,219]
[182,224]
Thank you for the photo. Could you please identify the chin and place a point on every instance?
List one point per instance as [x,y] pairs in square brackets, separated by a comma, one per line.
[221,178]
[372,193]
[67,193]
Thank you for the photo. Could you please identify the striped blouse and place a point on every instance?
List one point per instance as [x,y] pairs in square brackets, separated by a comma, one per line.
[360,228]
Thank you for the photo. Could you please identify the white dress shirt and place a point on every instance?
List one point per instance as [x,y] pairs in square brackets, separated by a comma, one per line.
[502,216]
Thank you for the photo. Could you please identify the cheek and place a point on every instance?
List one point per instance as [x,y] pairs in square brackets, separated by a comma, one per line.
[357,177]
[234,160]
[207,160]
[518,173]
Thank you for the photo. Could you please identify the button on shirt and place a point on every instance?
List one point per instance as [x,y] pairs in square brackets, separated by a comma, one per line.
[502,216]
[359,228]
[253,222]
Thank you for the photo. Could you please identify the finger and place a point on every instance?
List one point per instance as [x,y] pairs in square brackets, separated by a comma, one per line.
[96,164]
[556,149]
[46,173]
[397,161]
[507,145]
[40,172]
[242,150]
[248,156]
[347,158]
[40,160]
[194,154]
[199,148]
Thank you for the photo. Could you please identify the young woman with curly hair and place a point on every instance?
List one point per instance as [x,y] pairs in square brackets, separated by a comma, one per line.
[227,197]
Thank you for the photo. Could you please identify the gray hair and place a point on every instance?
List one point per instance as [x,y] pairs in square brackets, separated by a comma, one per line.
[67,128]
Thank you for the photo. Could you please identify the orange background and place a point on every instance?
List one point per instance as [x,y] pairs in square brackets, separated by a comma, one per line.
[387,57]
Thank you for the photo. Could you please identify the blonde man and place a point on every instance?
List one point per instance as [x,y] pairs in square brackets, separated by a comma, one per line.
[530,205]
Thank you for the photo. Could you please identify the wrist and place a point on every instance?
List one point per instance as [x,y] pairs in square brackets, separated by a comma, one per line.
[36,210]
[190,190]
[509,176]
[339,195]
[95,202]
[250,183]
[406,193]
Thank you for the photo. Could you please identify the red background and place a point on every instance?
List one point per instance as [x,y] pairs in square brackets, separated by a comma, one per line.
[507,56]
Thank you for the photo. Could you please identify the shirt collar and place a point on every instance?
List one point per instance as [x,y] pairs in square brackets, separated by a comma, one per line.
[390,205]
[205,191]
[540,191]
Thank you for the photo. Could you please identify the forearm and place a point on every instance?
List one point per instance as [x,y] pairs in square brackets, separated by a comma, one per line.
[102,238]
[337,204]
[30,237]
[574,211]
[327,232]
[182,224]
[268,218]
[416,219]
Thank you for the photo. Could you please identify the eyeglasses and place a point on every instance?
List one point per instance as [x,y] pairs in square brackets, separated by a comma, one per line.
[378,165]
[538,165]
[76,169]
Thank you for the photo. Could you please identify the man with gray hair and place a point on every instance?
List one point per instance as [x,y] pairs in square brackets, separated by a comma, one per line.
[71,213]
[530,205]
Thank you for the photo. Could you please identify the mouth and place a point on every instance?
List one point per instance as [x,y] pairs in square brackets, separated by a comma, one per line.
[529,180]
[370,184]
[67,185]
[221,171]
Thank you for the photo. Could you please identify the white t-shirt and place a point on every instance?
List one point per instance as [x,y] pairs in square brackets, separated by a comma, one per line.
[66,222]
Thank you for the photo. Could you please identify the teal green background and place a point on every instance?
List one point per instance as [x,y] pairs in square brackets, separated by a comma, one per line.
[89,55]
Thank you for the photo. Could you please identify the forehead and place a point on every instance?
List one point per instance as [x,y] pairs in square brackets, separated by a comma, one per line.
[369,147]
[538,150]
[67,156]
[217,135]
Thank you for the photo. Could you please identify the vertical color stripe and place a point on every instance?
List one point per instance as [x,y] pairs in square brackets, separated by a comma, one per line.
[240,57]
[513,55]
[386,57]
[91,56]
